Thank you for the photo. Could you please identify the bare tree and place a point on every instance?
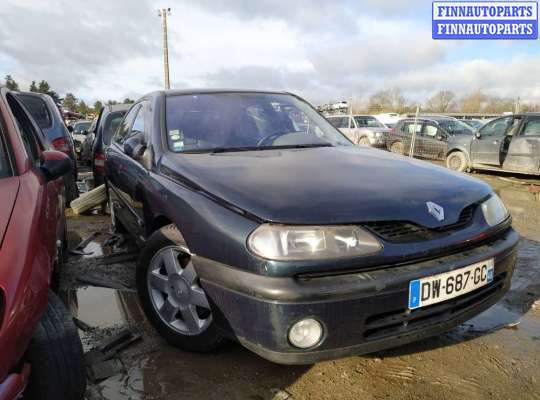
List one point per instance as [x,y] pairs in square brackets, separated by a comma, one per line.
[498,105]
[390,100]
[472,103]
[441,102]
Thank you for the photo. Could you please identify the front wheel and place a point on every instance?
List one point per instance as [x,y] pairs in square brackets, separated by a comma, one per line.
[55,356]
[457,161]
[363,141]
[398,148]
[171,294]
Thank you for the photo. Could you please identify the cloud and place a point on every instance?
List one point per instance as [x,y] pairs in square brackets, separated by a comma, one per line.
[319,49]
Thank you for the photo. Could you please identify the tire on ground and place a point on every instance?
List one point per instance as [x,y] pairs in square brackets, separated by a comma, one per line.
[206,341]
[56,357]
[457,161]
[397,147]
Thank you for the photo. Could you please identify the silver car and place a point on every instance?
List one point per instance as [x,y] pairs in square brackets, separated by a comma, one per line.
[361,129]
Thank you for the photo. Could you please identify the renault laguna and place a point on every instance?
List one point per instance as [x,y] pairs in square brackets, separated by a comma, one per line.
[258,221]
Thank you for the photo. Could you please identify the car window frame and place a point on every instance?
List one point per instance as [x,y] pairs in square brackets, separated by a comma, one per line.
[45,105]
[482,129]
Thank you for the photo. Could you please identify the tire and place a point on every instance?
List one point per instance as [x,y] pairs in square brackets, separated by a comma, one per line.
[397,147]
[457,161]
[56,357]
[171,295]
[364,141]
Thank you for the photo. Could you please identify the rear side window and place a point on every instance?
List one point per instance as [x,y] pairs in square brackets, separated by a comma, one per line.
[532,127]
[37,109]
[111,125]
[497,127]
[410,127]
[341,122]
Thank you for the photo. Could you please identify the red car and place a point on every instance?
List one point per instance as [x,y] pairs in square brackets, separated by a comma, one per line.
[40,350]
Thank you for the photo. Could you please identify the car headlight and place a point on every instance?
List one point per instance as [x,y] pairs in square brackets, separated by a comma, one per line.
[279,242]
[494,210]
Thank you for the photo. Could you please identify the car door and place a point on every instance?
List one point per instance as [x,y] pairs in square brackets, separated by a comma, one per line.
[125,175]
[433,144]
[487,144]
[523,153]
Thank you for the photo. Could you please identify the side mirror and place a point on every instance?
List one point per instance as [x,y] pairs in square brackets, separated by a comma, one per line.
[70,129]
[477,134]
[55,164]
[134,146]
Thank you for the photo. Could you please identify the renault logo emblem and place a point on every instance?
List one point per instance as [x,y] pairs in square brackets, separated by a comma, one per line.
[436,210]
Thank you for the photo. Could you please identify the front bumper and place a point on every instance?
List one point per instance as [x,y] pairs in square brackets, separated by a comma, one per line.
[360,312]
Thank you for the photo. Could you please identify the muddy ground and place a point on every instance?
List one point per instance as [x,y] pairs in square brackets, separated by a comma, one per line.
[494,356]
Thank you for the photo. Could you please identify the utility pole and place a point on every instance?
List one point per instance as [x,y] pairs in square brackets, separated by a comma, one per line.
[163,13]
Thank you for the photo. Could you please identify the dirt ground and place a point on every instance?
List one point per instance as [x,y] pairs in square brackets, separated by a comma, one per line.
[494,356]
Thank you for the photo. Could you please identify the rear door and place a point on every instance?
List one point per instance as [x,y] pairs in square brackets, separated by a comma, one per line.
[433,144]
[487,147]
[524,147]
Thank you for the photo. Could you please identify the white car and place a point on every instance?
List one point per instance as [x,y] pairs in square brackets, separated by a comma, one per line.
[361,129]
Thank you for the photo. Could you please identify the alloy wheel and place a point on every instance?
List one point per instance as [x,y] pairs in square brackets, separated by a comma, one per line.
[175,292]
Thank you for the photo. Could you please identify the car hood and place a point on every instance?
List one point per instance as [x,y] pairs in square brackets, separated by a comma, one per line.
[330,185]
[9,187]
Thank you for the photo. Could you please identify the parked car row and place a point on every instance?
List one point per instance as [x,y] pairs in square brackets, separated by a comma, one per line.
[258,221]
[40,350]
[509,143]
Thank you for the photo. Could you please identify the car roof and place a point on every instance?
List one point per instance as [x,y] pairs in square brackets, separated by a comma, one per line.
[176,92]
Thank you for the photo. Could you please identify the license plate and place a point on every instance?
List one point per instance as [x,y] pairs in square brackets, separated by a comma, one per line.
[437,288]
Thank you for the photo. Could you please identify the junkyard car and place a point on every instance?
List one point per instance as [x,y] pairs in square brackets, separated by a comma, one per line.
[431,138]
[106,124]
[79,130]
[361,129]
[47,115]
[40,350]
[290,239]
[510,143]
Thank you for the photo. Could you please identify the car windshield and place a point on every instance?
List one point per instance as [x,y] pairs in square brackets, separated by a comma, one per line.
[368,122]
[245,121]
[455,127]
[79,127]
[38,109]
[111,124]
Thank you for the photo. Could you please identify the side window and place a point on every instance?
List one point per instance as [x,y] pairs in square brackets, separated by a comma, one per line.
[340,122]
[430,130]
[532,127]
[5,169]
[126,124]
[29,135]
[410,127]
[138,125]
[497,127]
[350,123]
[38,109]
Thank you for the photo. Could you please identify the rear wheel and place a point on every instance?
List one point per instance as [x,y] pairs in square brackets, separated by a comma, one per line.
[457,161]
[364,141]
[171,294]
[55,356]
[397,147]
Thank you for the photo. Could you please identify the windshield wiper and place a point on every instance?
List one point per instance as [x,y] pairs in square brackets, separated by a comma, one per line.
[216,150]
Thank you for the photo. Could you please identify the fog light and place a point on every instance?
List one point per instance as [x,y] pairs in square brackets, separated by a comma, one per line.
[305,333]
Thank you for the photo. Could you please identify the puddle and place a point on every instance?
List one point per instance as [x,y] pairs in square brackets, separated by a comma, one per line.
[493,319]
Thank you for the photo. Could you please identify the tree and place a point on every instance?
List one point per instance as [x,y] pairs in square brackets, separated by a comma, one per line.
[82,107]
[391,100]
[127,100]
[43,87]
[70,102]
[33,87]
[472,103]
[441,101]
[98,105]
[111,102]
[498,105]
[11,84]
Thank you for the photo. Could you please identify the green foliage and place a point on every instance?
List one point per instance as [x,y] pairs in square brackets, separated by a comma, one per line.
[11,84]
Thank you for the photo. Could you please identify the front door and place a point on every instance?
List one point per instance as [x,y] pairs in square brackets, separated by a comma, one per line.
[524,148]
[487,145]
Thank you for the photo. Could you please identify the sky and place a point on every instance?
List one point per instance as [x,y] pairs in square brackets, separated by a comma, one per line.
[322,50]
